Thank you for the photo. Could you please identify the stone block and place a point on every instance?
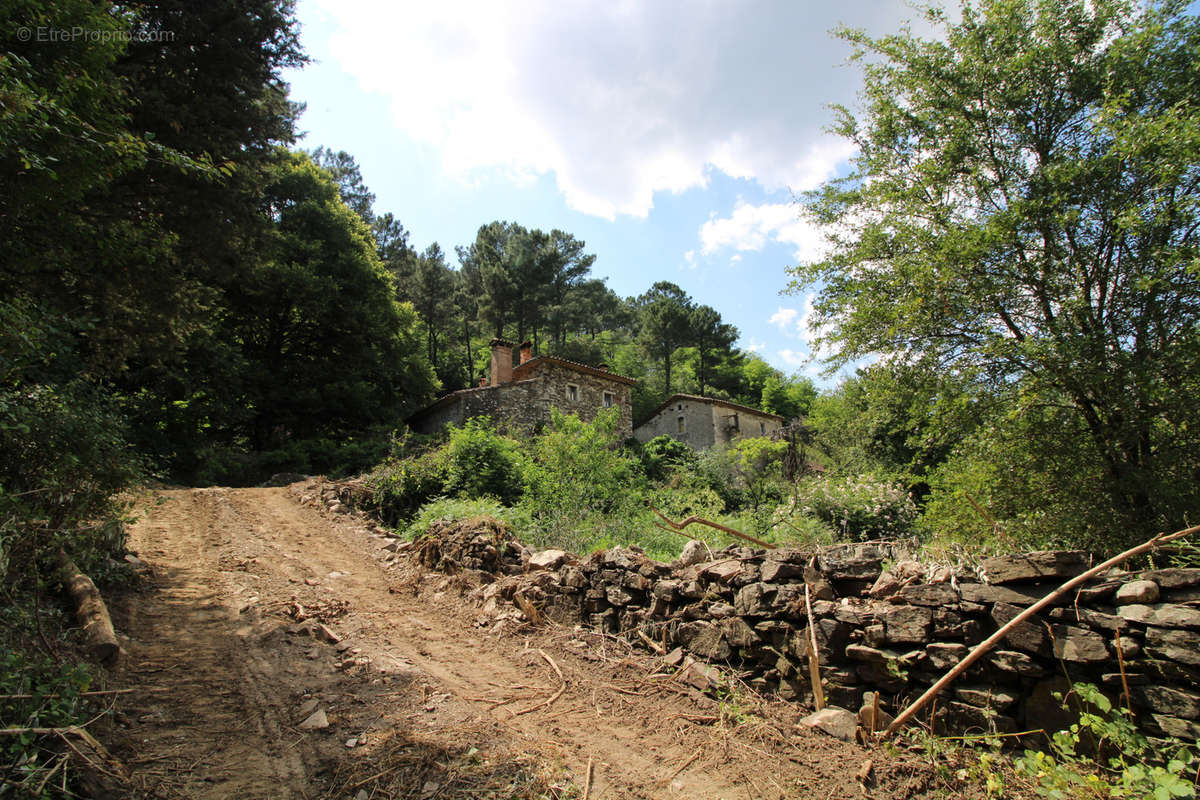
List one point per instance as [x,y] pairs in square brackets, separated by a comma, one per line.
[935,595]
[885,586]
[1013,595]
[1011,662]
[849,567]
[907,623]
[1030,636]
[1079,645]
[1097,620]
[944,655]
[985,697]
[738,633]
[958,717]
[1164,615]
[1137,592]
[1165,700]
[837,722]
[1173,578]
[1039,565]
[547,559]
[694,552]
[618,596]
[772,571]
[709,644]
[1186,730]
[755,599]
[721,571]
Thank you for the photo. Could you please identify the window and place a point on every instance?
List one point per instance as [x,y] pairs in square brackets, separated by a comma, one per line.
[762,427]
[682,425]
[572,393]
[609,400]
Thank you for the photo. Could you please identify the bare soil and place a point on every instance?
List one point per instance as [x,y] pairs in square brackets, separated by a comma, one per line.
[423,699]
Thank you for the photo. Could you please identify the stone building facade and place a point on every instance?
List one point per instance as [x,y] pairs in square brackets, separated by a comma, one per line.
[520,396]
[706,422]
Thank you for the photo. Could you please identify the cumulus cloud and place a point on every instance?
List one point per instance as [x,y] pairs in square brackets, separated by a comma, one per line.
[785,318]
[618,100]
[751,228]
[754,346]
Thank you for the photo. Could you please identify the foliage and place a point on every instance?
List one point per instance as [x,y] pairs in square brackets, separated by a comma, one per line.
[458,508]
[664,454]
[480,463]
[399,488]
[858,507]
[1127,767]
[1023,207]
[758,466]
[29,761]
[63,455]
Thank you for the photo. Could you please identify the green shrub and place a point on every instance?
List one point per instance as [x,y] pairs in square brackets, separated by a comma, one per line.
[858,507]
[38,692]
[1128,766]
[581,490]
[456,508]
[664,455]
[400,488]
[482,463]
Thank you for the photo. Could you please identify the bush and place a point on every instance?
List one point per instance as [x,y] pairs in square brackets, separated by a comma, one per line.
[400,488]
[1128,766]
[858,507]
[456,508]
[581,490]
[664,455]
[482,463]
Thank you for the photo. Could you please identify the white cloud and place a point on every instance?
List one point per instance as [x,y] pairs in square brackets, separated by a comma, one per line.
[793,358]
[690,259]
[618,100]
[751,228]
[754,346]
[784,318]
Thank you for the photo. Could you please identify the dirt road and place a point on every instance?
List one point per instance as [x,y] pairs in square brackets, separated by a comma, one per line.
[241,693]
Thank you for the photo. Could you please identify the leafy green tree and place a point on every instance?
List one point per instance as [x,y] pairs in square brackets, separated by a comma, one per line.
[712,338]
[345,172]
[327,351]
[664,324]
[1024,205]
[432,290]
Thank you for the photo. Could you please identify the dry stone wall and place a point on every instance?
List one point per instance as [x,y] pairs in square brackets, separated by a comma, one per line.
[880,625]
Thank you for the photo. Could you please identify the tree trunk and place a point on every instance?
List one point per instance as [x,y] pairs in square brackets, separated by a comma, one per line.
[90,611]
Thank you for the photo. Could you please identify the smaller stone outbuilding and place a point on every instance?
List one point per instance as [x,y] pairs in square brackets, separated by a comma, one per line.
[706,422]
[520,397]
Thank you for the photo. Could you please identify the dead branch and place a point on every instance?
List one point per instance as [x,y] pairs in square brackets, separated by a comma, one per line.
[983,647]
[90,611]
[550,661]
[679,526]
[655,646]
[587,781]
[814,660]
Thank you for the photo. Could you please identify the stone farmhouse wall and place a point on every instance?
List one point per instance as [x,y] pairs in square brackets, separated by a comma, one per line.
[706,424]
[525,404]
[741,612]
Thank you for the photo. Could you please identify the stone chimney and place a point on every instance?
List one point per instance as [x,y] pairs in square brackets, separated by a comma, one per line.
[526,351]
[502,362]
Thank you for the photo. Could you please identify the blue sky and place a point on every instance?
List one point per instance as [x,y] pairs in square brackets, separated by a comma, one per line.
[671,137]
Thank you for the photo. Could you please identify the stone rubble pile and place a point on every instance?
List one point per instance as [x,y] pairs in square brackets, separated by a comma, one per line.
[893,631]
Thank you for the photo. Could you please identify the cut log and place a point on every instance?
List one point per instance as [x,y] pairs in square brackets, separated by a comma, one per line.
[90,611]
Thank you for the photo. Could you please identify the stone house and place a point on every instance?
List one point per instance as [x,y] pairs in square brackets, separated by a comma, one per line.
[520,396]
[705,422]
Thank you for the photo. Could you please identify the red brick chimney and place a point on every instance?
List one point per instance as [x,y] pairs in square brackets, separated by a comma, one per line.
[526,351]
[502,362]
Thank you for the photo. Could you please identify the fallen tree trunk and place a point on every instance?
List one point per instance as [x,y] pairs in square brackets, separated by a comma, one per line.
[90,611]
